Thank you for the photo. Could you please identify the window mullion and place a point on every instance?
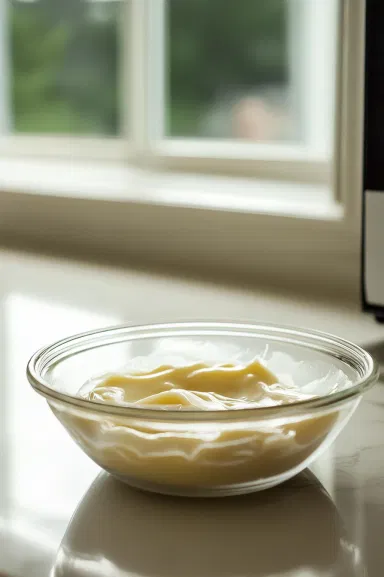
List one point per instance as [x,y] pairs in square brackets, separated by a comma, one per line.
[157,47]
[139,87]
[147,78]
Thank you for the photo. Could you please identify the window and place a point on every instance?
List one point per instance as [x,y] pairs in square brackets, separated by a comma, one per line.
[228,70]
[60,64]
[174,75]
[231,69]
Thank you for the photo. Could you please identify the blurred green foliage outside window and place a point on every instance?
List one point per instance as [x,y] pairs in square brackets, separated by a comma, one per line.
[227,72]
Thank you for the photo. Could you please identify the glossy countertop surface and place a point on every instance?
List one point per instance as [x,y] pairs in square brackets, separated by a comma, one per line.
[59,516]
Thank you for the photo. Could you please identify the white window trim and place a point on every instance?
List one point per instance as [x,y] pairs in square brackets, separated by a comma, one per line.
[115,182]
[268,246]
[279,162]
[64,147]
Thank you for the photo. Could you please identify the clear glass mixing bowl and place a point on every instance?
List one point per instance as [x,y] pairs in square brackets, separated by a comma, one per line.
[205,453]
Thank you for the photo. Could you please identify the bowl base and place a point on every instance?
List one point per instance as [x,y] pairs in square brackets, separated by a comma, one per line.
[215,491]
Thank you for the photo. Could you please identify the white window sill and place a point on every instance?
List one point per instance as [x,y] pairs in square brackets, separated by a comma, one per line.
[276,233]
[116,182]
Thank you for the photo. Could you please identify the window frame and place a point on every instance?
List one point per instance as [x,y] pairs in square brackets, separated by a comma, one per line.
[142,103]
[293,250]
[289,161]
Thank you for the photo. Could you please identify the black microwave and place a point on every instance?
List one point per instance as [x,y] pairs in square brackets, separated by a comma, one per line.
[373,171]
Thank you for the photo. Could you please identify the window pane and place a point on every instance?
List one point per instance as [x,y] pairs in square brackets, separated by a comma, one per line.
[242,68]
[63,62]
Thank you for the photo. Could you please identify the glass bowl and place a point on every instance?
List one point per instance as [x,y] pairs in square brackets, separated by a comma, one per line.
[205,453]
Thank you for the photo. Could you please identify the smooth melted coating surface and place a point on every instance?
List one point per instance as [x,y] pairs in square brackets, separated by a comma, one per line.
[196,386]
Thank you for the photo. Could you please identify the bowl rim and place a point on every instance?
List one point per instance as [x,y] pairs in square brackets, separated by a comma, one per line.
[316,340]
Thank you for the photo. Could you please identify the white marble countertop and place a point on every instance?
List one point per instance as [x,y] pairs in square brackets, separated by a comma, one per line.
[324,523]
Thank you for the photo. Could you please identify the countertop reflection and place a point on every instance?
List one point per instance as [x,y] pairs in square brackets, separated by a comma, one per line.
[294,529]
